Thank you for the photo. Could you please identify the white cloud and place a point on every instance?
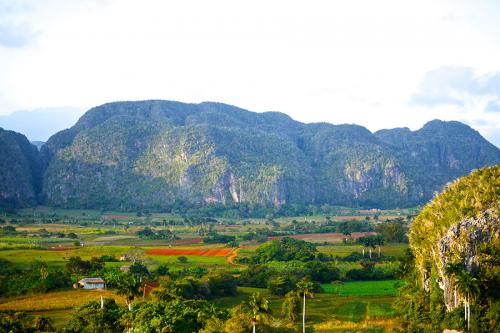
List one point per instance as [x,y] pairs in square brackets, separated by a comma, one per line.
[342,62]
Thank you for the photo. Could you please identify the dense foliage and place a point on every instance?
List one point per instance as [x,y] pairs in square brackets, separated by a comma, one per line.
[170,156]
[37,278]
[453,274]
[19,171]
[286,249]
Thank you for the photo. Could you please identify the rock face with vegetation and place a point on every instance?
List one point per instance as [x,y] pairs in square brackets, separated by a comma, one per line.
[19,170]
[462,243]
[162,154]
[456,245]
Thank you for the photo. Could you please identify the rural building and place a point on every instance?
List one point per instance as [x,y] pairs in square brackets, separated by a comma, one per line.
[92,283]
[125,269]
[148,288]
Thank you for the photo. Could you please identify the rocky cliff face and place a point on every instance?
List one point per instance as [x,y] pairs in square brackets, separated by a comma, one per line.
[156,154]
[461,243]
[460,226]
[19,170]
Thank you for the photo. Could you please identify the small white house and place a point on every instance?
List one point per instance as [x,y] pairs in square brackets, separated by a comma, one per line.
[92,283]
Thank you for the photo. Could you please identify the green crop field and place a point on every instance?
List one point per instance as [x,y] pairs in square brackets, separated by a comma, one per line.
[363,288]
[351,311]
[325,307]
[343,250]
[361,306]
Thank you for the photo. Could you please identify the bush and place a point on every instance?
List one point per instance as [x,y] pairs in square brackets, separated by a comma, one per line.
[280,285]
[255,276]
[322,272]
[214,238]
[221,284]
[285,250]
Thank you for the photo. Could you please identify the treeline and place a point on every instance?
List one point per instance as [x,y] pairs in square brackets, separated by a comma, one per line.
[299,259]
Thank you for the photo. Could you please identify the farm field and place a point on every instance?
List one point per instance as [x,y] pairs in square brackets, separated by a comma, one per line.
[323,237]
[363,288]
[57,257]
[353,312]
[179,245]
[339,311]
[209,252]
[57,300]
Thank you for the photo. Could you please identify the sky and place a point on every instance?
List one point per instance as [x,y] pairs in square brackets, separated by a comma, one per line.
[380,64]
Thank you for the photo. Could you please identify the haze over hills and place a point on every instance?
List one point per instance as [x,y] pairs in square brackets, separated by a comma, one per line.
[39,124]
[157,154]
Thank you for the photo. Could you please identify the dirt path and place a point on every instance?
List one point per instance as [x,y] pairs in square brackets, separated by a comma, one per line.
[230,258]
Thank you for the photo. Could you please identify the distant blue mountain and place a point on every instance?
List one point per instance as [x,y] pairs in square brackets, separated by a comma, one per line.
[40,124]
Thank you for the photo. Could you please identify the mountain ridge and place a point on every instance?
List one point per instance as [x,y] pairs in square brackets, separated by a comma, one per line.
[155,154]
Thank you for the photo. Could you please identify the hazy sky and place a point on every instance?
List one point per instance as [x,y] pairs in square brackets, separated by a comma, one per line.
[380,64]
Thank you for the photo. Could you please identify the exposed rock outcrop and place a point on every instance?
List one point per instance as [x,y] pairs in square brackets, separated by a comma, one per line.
[460,244]
[162,155]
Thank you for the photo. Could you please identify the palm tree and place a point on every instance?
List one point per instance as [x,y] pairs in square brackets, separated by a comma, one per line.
[378,241]
[452,270]
[468,286]
[305,289]
[128,286]
[258,308]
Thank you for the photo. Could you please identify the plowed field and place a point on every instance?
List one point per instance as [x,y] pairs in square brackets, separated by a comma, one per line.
[190,252]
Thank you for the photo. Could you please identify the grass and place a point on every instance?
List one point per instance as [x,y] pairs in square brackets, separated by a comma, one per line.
[57,305]
[57,300]
[34,240]
[199,261]
[23,257]
[363,288]
[323,307]
[359,306]
[380,310]
[343,250]
[53,258]
[351,311]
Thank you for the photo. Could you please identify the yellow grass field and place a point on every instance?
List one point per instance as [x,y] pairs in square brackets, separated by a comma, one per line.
[58,300]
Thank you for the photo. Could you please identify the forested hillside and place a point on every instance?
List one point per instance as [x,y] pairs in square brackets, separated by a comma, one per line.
[455,241]
[163,154]
[19,170]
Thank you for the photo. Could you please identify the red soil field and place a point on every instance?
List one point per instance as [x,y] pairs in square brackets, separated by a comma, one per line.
[190,252]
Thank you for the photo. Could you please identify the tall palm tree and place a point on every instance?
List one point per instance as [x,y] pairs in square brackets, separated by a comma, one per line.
[258,308]
[129,287]
[452,270]
[305,289]
[468,286]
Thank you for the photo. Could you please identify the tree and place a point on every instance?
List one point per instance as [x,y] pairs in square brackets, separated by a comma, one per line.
[177,315]
[139,271]
[128,286]
[221,284]
[392,232]
[92,317]
[452,270]
[378,241]
[258,308]
[468,286]
[305,289]
[291,306]
[371,242]
[346,229]
[280,284]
